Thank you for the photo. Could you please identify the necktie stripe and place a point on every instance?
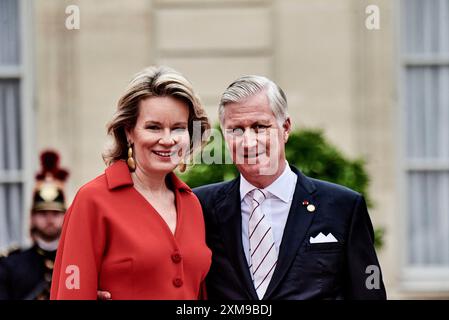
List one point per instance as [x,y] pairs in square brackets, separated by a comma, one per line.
[267,275]
[254,210]
[255,228]
[263,258]
[258,245]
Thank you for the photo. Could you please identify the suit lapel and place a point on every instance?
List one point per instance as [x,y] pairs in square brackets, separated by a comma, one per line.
[230,218]
[298,222]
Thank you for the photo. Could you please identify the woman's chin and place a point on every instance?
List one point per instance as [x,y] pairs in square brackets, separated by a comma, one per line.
[162,167]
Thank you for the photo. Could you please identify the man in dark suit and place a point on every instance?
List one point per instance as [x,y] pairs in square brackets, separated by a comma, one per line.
[275,233]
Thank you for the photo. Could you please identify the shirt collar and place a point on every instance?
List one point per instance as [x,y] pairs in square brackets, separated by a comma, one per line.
[283,187]
[245,187]
[118,175]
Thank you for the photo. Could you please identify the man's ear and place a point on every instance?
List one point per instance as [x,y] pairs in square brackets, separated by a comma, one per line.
[287,129]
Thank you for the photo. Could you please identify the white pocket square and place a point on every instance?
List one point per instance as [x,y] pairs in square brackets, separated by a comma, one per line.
[321,238]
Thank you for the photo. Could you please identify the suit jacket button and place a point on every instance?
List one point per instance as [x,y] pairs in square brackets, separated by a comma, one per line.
[176,257]
[177,282]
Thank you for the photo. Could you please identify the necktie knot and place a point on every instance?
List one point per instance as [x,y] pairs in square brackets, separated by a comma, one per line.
[258,195]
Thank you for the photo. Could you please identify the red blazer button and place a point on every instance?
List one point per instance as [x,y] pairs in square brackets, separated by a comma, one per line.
[177,282]
[176,257]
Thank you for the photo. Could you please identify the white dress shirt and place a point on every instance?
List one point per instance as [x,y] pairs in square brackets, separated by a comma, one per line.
[276,207]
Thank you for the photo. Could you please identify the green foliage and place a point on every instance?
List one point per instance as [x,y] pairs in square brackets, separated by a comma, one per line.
[379,237]
[200,173]
[306,149]
[317,158]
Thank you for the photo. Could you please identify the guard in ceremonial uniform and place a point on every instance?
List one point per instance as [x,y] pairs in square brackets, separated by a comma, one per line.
[26,274]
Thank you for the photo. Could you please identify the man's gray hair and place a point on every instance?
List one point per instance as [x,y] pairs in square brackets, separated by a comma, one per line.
[250,85]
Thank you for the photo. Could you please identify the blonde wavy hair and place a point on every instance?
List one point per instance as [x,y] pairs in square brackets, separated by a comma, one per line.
[155,81]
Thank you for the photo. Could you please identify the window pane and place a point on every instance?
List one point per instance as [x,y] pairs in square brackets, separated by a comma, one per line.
[426,26]
[427,112]
[10,136]
[9,32]
[11,208]
[428,223]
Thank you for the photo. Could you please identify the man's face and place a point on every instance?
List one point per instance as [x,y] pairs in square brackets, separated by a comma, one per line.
[48,224]
[254,137]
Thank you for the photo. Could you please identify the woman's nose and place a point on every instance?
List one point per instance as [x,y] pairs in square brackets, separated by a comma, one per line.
[167,138]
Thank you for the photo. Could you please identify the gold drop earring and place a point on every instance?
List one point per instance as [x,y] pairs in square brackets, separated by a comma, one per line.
[130,161]
[182,166]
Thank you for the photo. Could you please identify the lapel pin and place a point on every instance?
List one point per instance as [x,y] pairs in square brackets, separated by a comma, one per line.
[310,207]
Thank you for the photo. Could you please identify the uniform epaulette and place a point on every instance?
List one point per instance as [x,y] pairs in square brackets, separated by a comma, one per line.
[9,251]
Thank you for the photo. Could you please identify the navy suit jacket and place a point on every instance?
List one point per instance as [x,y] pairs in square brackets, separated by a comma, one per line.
[347,269]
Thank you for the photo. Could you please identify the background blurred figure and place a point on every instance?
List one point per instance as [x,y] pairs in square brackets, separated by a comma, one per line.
[27,274]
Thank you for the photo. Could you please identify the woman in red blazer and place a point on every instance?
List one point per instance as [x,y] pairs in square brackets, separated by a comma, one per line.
[137,231]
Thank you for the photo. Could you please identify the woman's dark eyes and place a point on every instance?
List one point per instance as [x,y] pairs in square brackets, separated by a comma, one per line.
[177,129]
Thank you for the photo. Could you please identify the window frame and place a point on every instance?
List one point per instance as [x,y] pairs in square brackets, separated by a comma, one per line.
[414,278]
[24,73]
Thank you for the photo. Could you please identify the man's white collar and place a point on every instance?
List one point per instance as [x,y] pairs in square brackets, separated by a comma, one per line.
[283,187]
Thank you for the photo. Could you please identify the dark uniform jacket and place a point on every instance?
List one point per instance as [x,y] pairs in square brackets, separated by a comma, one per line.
[26,275]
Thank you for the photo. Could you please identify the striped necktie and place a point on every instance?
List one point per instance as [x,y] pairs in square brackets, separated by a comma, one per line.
[262,250]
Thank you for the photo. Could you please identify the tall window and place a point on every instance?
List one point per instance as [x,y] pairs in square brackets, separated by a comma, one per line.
[425,74]
[12,121]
